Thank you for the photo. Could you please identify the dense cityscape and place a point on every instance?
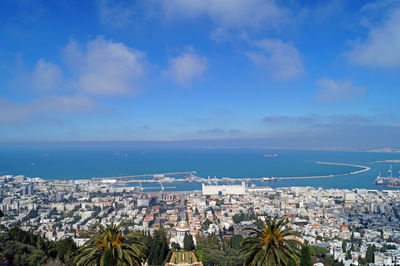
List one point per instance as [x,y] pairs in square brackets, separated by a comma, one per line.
[351,227]
[199,133]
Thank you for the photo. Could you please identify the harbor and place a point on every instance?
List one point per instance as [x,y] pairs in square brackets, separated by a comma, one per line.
[389,180]
[190,176]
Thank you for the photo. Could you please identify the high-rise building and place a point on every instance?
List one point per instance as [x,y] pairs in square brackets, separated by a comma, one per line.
[28,190]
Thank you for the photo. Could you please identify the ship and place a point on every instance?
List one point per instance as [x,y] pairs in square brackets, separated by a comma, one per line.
[271,155]
[388,180]
[269,179]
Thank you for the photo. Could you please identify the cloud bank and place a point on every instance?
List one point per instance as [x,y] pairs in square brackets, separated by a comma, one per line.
[115,13]
[228,14]
[282,60]
[186,67]
[105,67]
[381,48]
[16,112]
[335,130]
[316,120]
[46,76]
[338,90]
[99,68]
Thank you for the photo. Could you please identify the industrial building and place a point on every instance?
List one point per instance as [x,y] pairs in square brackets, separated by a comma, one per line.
[224,189]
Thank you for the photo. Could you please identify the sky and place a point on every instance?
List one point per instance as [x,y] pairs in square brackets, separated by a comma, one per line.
[255,72]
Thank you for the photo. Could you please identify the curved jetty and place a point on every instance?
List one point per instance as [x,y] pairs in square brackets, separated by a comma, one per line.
[190,177]
[363,169]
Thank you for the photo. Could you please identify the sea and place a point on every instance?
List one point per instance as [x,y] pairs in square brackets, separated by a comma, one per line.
[88,160]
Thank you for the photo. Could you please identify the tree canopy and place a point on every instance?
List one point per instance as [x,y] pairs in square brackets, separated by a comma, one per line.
[270,243]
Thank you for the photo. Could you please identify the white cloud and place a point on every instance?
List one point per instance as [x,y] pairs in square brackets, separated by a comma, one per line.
[101,67]
[229,14]
[291,120]
[340,90]
[14,113]
[186,67]
[66,103]
[106,67]
[381,48]
[46,76]
[313,120]
[282,60]
[114,13]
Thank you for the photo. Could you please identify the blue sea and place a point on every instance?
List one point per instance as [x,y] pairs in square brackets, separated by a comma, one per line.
[87,160]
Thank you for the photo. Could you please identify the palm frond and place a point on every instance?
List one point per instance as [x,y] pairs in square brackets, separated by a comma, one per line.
[125,248]
[270,243]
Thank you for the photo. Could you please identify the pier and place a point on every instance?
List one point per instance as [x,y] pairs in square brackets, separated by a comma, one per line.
[363,169]
[190,177]
[155,176]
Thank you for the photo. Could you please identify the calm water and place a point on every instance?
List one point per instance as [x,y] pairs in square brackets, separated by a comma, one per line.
[82,161]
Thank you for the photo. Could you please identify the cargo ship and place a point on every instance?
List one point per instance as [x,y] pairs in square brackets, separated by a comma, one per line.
[269,179]
[388,180]
[271,155]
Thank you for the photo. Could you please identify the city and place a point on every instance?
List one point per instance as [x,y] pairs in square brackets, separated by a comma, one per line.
[344,223]
[199,133]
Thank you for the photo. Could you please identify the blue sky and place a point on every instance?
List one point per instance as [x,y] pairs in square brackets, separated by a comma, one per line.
[262,72]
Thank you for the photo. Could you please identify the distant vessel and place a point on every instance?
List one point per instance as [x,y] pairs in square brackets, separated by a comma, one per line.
[269,179]
[271,155]
[388,180]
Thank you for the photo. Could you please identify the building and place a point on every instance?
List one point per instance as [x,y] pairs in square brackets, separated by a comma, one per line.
[349,198]
[28,190]
[222,190]
[181,230]
[143,202]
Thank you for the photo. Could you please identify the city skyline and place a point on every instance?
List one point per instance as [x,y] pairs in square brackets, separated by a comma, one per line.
[255,72]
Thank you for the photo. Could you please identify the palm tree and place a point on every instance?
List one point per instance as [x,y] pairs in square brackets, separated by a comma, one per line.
[270,243]
[111,247]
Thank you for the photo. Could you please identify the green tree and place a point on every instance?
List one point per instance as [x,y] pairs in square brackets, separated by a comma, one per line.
[65,248]
[369,255]
[175,245]
[188,243]
[305,258]
[155,258]
[20,254]
[232,257]
[318,252]
[362,261]
[107,259]
[206,224]
[270,243]
[235,241]
[163,252]
[110,245]
[344,245]
[348,255]
[157,247]
[213,260]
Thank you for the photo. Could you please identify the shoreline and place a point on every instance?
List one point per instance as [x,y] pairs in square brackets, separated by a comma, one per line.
[196,179]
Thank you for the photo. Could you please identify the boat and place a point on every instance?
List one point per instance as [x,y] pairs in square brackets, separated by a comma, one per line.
[269,179]
[271,155]
[388,180]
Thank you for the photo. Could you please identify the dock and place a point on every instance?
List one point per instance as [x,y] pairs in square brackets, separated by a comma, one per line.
[190,176]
